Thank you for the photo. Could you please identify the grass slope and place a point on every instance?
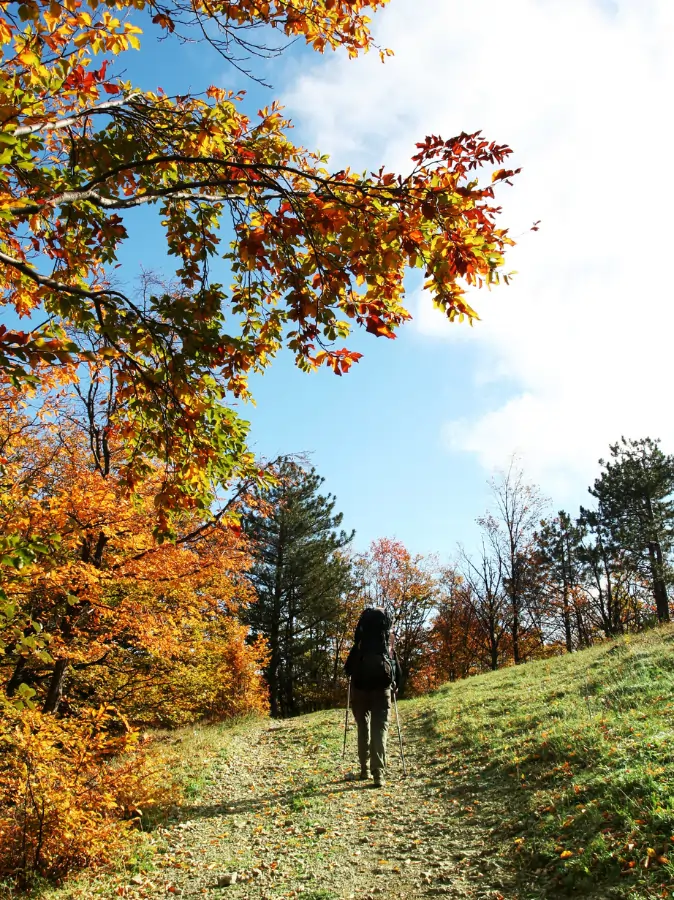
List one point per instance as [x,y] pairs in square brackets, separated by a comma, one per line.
[551,779]
[580,749]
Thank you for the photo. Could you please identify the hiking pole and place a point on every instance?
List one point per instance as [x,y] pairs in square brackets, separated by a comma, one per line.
[346,717]
[400,736]
[395,701]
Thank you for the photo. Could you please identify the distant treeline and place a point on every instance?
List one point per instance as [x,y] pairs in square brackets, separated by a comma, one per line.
[536,585]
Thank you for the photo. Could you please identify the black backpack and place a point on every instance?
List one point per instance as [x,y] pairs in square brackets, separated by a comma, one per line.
[369,664]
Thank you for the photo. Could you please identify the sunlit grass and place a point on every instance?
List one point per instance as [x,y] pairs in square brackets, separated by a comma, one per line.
[580,751]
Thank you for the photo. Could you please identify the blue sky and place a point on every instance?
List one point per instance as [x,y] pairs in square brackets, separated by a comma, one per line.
[570,357]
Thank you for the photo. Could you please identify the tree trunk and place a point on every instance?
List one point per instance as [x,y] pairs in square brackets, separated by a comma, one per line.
[452,662]
[659,587]
[614,612]
[515,632]
[288,659]
[55,692]
[289,681]
[272,681]
[15,680]
[515,596]
[657,566]
[335,665]
[493,647]
[583,635]
[494,656]
[568,638]
[275,635]
[404,662]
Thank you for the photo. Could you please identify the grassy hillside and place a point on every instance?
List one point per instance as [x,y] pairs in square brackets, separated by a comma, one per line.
[552,779]
[580,751]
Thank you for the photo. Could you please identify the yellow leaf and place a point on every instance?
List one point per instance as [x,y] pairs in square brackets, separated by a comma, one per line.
[28,58]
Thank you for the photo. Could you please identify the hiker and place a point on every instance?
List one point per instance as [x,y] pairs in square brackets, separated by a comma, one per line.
[374,672]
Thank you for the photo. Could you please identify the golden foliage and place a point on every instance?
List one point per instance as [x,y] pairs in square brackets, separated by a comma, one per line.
[65,786]
[111,629]
[313,253]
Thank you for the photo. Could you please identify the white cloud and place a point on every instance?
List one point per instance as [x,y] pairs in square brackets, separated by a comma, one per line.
[582,90]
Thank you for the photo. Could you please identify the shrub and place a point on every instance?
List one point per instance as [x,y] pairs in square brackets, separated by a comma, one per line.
[68,790]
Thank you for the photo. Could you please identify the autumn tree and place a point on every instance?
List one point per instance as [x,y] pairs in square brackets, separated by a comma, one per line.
[635,501]
[455,640]
[107,615]
[483,575]
[311,251]
[301,576]
[391,577]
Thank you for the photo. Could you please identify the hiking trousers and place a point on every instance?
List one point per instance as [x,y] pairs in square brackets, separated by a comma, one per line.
[371,710]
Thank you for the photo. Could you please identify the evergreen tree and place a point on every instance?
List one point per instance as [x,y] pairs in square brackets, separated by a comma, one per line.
[559,553]
[606,577]
[634,495]
[300,576]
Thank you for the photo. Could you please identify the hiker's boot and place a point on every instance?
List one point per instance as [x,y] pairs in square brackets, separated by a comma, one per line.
[379,781]
[364,773]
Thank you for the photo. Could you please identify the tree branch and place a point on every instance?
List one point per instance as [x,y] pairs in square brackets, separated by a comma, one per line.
[100,109]
[45,281]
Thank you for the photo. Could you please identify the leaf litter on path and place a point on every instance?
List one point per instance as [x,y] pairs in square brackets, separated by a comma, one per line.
[279,818]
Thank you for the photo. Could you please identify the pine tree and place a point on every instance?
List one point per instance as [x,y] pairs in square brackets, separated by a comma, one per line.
[605,576]
[300,575]
[559,552]
[634,495]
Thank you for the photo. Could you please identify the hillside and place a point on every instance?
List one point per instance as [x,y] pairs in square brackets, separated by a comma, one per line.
[550,779]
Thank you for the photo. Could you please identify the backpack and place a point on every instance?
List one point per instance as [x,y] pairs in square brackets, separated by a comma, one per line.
[370,670]
[369,664]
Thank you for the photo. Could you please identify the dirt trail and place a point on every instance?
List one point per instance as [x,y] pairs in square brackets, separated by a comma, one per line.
[279,811]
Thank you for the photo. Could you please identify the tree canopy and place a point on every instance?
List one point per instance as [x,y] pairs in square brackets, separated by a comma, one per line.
[634,501]
[312,252]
